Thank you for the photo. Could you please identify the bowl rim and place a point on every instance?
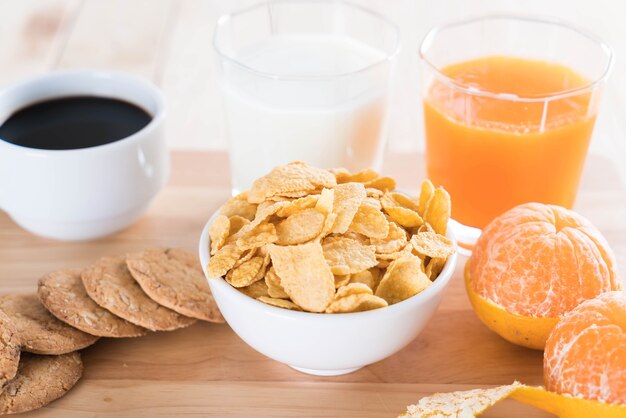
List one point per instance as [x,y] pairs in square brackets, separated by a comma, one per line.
[436,288]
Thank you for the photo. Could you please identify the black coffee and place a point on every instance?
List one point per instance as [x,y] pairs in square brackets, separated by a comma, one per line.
[73,122]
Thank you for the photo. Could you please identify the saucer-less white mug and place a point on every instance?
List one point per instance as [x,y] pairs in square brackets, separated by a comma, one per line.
[89,192]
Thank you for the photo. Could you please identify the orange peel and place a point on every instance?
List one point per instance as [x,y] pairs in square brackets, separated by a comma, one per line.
[527,331]
[566,406]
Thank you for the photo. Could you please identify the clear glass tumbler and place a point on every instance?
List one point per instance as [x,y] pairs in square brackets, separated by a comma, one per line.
[304,80]
[509,108]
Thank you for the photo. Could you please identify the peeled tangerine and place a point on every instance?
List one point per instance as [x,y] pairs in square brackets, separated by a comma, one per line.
[585,354]
[533,264]
[584,363]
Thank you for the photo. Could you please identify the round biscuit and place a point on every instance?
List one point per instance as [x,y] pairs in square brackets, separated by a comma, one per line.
[39,381]
[109,283]
[64,295]
[174,278]
[38,330]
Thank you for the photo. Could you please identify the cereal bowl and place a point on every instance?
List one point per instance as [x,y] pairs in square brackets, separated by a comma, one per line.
[325,344]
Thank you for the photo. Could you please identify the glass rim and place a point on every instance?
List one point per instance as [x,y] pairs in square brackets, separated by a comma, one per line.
[224,19]
[433,32]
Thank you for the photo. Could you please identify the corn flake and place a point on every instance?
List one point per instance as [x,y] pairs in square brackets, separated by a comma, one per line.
[373,202]
[300,227]
[325,202]
[374,193]
[348,199]
[363,176]
[437,211]
[358,302]
[236,223]
[462,404]
[342,280]
[246,273]
[426,193]
[404,278]
[352,289]
[328,225]
[304,274]
[255,290]
[292,195]
[239,206]
[402,215]
[434,267]
[382,183]
[219,230]
[403,200]
[356,236]
[275,289]
[298,205]
[289,179]
[431,244]
[370,278]
[246,255]
[223,260]
[266,263]
[346,256]
[262,234]
[395,240]
[370,221]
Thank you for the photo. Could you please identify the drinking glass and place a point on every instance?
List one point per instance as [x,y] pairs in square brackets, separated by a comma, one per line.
[495,149]
[304,80]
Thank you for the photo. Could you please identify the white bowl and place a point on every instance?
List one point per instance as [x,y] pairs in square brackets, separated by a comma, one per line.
[325,344]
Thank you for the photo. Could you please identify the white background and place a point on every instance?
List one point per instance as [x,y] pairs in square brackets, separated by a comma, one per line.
[169,42]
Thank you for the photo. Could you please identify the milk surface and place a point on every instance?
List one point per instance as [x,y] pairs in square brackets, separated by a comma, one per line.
[308,97]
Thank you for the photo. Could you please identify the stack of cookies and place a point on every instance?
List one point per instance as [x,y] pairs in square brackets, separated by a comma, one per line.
[117,297]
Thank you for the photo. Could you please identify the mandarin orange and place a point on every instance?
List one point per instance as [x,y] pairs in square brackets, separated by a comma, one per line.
[585,354]
[533,264]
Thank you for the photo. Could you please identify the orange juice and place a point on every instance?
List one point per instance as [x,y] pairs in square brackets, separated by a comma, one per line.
[494,151]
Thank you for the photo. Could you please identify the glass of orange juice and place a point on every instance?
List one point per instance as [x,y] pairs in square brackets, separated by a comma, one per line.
[509,108]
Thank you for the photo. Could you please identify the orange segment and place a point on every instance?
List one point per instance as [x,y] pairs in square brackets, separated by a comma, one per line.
[586,353]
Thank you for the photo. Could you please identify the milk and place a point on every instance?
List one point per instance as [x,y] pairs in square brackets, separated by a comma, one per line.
[322,105]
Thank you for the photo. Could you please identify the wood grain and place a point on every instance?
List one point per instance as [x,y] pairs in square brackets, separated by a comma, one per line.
[251,399]
[207,370]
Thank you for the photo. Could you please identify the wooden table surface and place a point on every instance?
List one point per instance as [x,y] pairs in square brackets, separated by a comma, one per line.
[207,370]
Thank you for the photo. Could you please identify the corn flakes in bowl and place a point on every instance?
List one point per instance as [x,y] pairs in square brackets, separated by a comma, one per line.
[328,271]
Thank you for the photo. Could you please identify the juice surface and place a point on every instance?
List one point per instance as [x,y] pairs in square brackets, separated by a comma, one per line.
[492,154]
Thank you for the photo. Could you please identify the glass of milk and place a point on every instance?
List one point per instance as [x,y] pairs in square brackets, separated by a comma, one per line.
[304,80]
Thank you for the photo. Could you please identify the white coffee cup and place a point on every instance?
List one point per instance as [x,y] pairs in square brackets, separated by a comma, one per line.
[83,193]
